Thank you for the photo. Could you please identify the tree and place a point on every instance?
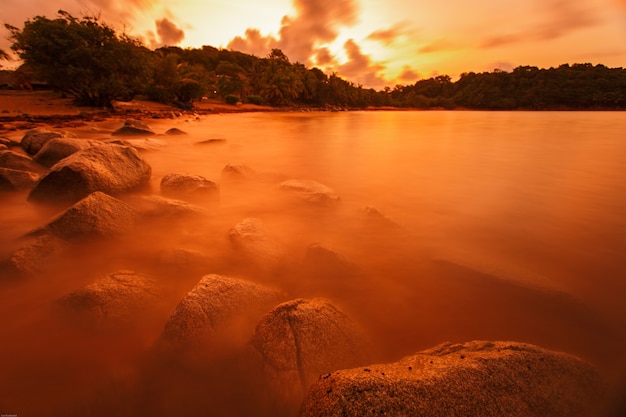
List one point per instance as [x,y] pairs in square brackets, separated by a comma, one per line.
[82,57]
[3,55]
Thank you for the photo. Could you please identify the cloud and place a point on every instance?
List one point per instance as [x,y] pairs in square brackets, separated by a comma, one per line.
[387,36]
[169,34]
[323,57]
[557,18]
[439,46]
[360,68]
[316,22]
[408,75]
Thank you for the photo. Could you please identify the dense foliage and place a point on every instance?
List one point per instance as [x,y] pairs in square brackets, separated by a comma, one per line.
[89,60]
[82,57]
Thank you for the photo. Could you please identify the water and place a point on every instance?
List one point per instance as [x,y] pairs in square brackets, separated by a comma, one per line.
[513,227]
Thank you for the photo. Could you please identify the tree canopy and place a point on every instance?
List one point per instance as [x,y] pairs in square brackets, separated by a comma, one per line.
[82,57]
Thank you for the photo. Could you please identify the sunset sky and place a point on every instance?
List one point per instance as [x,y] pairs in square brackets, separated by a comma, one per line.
[370,42]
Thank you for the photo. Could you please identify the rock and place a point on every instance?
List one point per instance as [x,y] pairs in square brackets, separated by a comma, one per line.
[218,314]
[188,186]
[301,339]
[58,148]
[3,147]
[112,169]
[133,128]
[97,215]
[235,173]
[250,239]
[159,207]
[325,263]
[34,139]
[35,255]
[116,298]
[15,180]
[184,259]
[375,218]
[310,192]
[212,142]
[175,132]
[17,161]
[146,144]
[481,379]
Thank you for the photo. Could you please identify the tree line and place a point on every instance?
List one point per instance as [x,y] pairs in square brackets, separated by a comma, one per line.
[95,64]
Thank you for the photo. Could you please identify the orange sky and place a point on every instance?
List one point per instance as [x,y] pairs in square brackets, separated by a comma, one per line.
[371,42]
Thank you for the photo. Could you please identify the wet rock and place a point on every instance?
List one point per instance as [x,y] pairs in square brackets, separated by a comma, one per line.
[217,315]
[301,339]
[325,263]
[116,298]
[374,217]
[146,144]
[212,142]
[310,192]
[184,259]
[133,128]
[175,132]
[238,173]
[97,215]
[58,148]
[112,169]
[159,207]
[34,139]
[481,379]
[15,180]
[35,255]
[194,187]
[17,161]
[250,239]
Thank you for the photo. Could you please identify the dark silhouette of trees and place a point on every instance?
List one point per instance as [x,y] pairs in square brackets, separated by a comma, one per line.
[82,57]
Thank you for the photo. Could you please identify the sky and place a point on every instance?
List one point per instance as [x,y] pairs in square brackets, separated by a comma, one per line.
[374,43]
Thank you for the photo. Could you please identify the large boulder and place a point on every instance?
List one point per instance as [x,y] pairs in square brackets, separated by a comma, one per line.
[34,139]
[15,180]
[218,314]
[117,298]
[186,186]
[58,148]
[478,379]
[253,243]
[112,169]
[97,215]
[133,128]
[17,161]
[301,339]
[310,192]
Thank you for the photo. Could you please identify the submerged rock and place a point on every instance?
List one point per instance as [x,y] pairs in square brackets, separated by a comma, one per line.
[218,314]
[301,339]
[482,379]
[310,192]
[189,186]
[325,263]
[112,169]
[250,239]
[159,207]
[133,128]
[16,180]
[235,173]
[175,132]
[118,297]
[35,255]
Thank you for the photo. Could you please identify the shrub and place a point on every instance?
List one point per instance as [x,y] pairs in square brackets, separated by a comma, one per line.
[231,99]
[255,100]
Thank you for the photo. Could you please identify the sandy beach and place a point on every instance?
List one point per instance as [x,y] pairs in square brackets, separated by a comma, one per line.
[22,110]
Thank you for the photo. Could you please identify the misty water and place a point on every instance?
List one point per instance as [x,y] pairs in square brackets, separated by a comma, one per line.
[506,226]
